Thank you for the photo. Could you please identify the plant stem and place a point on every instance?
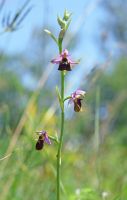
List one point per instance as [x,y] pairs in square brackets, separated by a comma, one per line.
[61,132]
[97,139]
[67,98]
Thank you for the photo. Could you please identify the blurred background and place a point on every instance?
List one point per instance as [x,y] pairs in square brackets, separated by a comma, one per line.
[94,164]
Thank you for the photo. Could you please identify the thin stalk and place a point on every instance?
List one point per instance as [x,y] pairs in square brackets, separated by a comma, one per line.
[61,132]
[67,98]
[97,140]
[97,137]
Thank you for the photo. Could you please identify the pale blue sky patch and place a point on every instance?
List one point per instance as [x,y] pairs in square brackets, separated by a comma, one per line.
[86,19]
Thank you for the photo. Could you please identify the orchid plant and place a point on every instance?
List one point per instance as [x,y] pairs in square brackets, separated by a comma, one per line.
[65,64]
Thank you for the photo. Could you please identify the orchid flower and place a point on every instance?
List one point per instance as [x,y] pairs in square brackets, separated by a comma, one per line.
[64,61]
[76,98]
[43,137]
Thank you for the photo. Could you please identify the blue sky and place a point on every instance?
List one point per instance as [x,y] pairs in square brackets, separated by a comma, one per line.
[19,40]
[86,19]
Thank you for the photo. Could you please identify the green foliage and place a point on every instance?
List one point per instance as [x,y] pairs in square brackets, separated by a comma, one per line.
[88,175]
[85,194]
[31,174]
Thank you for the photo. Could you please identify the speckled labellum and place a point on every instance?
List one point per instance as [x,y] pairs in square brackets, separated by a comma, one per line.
[40,143]
[43,137]
[77,105]
[64,65]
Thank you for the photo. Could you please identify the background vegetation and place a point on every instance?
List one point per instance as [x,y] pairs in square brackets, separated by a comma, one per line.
[95,149]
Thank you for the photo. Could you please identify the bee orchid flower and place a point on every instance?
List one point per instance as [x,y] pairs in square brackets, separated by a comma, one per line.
[64,61]
[43,138]
[76,98]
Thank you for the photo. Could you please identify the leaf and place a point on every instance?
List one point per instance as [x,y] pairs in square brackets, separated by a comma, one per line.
[68,24]
[51,35]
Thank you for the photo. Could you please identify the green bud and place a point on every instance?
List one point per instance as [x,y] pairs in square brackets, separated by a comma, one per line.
[61,22]
[67,15]
[47,31]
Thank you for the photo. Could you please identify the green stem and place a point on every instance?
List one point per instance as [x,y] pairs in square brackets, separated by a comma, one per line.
[67,98]
[61,132]
[97,120]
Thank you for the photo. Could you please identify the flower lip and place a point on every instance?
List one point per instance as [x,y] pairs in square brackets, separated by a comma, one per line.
[77,105]
[40,143]
[64,65]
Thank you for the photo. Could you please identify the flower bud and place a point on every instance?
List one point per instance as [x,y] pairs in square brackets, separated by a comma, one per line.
[66,15]
[61,22]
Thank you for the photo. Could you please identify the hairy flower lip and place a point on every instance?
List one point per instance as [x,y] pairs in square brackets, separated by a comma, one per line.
[64,60]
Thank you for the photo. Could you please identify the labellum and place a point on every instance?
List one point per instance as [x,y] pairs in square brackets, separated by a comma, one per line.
[40,143]
[64,65]
[77,105]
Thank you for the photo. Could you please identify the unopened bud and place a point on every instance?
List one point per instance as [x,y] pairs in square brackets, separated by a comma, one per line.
[61,22]
[66,15]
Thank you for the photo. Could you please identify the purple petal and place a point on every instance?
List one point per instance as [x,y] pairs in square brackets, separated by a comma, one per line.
[73,95]
[70,101]
[80,92]
[56,60]
[46,139]
[65,53]
[42,132]
[71,61]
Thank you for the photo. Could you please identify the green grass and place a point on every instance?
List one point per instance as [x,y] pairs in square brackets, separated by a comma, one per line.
[29,174]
